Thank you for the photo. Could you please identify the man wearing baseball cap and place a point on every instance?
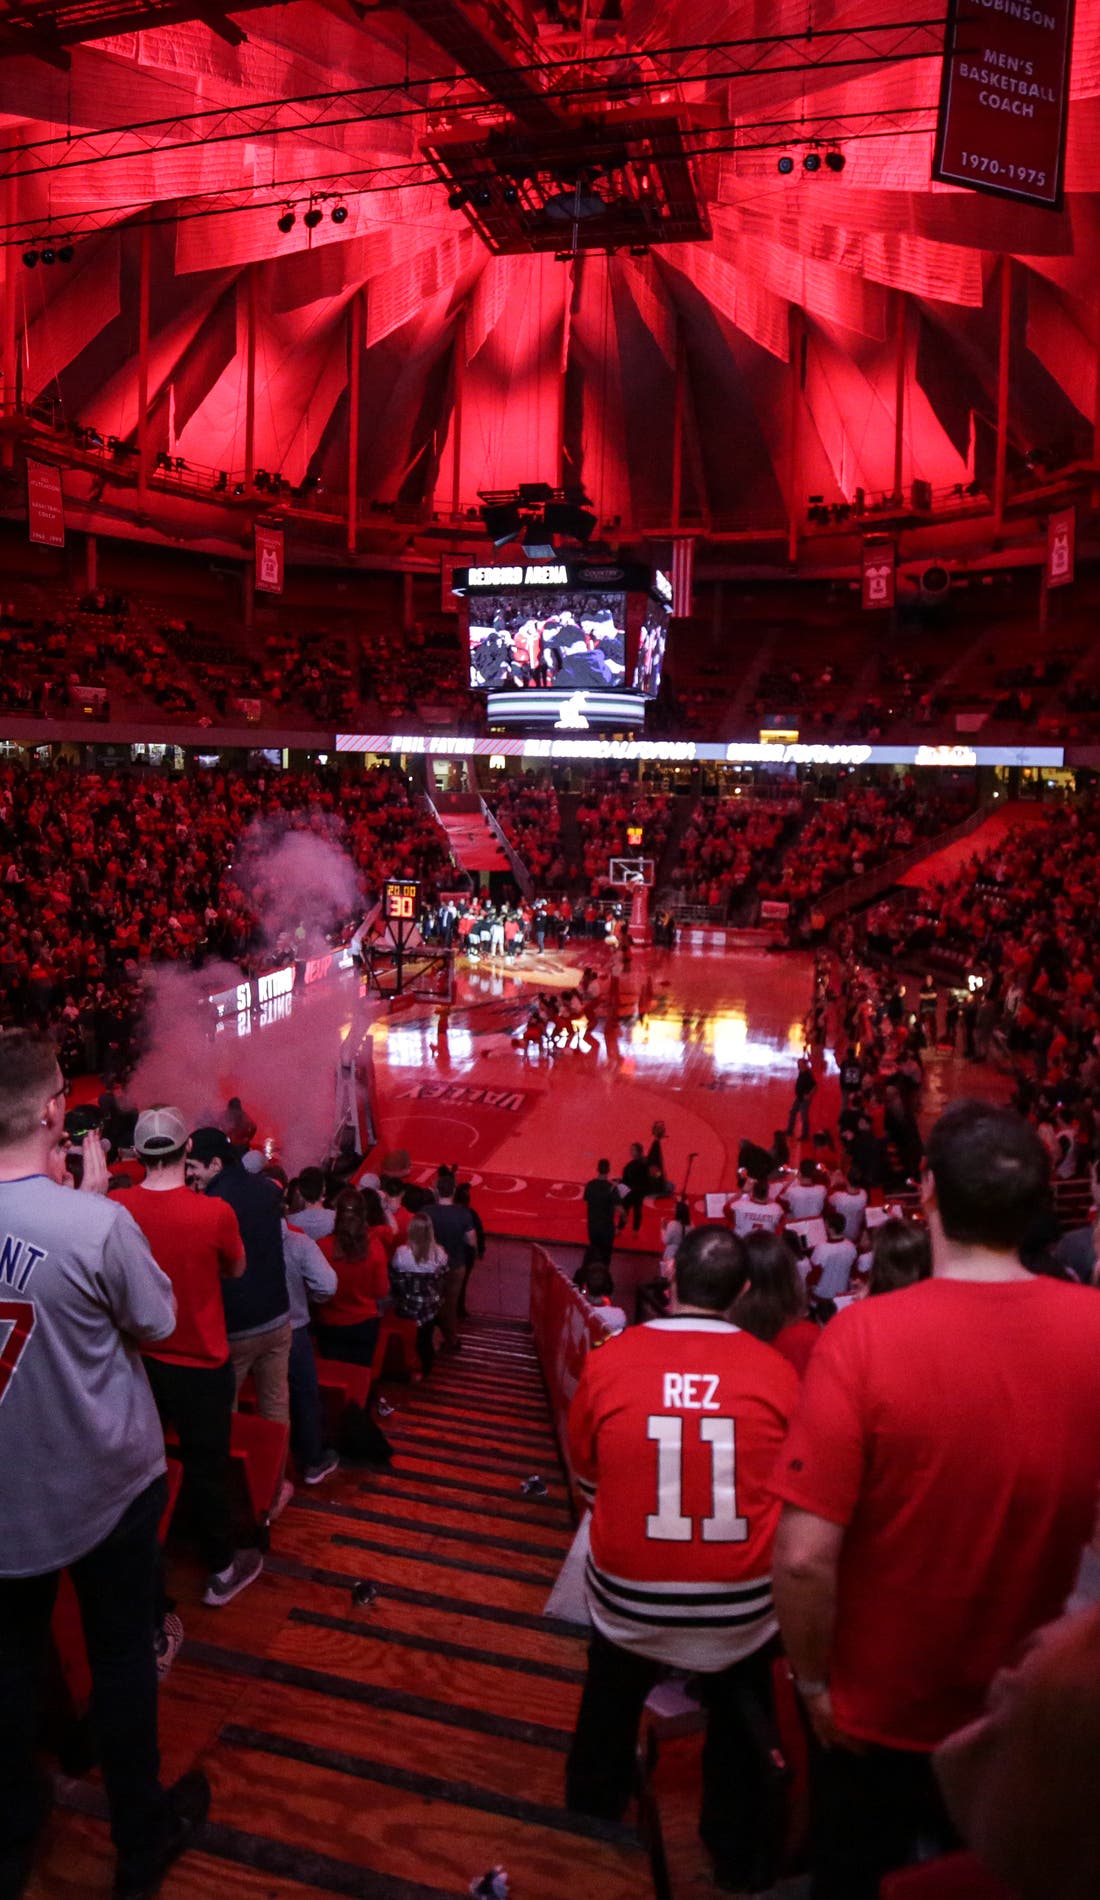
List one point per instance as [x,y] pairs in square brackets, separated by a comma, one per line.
[197,1243]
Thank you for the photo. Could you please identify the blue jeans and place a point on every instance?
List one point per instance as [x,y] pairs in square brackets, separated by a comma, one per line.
[307,1440]
[116,1586]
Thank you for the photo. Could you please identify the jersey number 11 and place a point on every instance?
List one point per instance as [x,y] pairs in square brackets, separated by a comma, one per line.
[668,1524]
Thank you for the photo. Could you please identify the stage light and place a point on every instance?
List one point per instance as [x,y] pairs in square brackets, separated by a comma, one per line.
[286,220]
[483,196]
[339,214]
[785,165]
[66,254]
[502,522]
[836,161]
[261,479]
[812,162]
[30,259]
[238,489]
[566,518]
[510,194]
[313,217]
[49,255]
[457,198]
[163,460]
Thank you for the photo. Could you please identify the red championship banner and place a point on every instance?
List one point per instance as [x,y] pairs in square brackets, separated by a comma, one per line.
[566,1329]
[879,578]
[1061,547]
[683,578]
[270,553]
[45,507]
[1004,95]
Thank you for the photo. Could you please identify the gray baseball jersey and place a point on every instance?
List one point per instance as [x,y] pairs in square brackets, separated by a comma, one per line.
[80,1438]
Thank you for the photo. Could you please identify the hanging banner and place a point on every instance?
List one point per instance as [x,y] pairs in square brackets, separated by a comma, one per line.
[1061,547]
[269,559]
[683,578]
[45,507]
[1004,95]
[879,580]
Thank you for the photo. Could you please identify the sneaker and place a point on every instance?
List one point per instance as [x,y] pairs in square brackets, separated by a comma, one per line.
[316,1474]
[227,1584]
[188,1807]
[169,1639]
[282,1499]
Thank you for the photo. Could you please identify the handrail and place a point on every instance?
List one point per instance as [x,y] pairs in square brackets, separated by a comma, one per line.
[519,870]
[863,890]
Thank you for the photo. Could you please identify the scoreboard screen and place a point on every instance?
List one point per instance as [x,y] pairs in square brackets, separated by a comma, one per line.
[401,900]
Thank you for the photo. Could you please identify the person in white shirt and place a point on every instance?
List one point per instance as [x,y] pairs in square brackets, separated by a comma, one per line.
[805,1198]
[754,1212]
[851,1202]
[833,1258]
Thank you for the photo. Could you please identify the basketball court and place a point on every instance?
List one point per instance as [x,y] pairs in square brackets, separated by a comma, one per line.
[714,1060]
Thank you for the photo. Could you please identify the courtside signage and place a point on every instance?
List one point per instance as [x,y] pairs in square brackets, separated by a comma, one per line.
[1004,95]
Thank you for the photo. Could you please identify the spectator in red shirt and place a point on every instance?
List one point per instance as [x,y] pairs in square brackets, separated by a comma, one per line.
[197,1243]
[940,1483]
[349,1330]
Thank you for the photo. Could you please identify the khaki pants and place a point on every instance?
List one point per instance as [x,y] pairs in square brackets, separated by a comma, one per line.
[267,1357]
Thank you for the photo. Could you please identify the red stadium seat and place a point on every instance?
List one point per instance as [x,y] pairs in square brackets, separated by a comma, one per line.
[341,1385]
[402,1333]
[955,1877]
[258,1447]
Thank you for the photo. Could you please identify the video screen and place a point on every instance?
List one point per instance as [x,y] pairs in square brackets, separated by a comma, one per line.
[564,641]
[651,649]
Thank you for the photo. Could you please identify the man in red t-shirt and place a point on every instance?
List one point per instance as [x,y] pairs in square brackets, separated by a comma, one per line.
[674,1429]
[940,1482]
[196,1241]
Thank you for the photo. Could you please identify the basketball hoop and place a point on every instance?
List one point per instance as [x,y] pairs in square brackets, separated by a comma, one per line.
[625,872]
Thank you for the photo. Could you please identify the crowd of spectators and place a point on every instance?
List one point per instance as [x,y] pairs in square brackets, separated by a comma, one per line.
[103,873]
[857,829]
[726,846]
[528,814]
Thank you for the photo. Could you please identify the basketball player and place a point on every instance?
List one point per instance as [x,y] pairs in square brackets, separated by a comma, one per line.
[673,1432]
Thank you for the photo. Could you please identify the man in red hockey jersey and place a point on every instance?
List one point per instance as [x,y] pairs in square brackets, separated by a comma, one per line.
[674,1431]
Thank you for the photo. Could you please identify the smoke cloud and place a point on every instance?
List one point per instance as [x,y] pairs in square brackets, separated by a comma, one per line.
[300,885]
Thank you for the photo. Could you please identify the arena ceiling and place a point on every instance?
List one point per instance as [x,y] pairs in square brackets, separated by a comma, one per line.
[523,342]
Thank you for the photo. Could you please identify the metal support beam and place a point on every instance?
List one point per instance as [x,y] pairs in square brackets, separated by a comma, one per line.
[143,366]
[679,372]
[796,335]
[900,365]
[1003,354]
[456,412]
[568,280]
[250,374]
[10,353]
[355,353]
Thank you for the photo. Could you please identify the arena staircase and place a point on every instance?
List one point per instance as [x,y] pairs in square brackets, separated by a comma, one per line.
[683,805]
[397,1749]
[472,839]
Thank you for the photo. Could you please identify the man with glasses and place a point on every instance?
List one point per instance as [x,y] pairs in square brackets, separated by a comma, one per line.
[82,1474]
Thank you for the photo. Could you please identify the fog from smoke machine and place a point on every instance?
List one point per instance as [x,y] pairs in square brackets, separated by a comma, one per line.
[283,1070]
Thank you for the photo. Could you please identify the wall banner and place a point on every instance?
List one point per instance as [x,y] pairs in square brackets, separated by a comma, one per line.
[1004,95]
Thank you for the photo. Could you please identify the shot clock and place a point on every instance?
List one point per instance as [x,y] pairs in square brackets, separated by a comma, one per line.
[401,900]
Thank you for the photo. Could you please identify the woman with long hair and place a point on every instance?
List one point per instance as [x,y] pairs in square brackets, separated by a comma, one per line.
[349,1329]
[418,1275]
[772,1306]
